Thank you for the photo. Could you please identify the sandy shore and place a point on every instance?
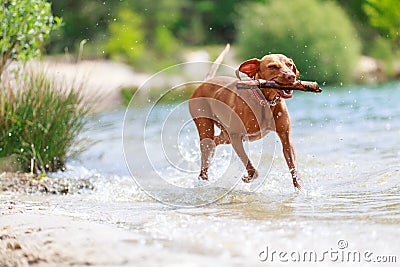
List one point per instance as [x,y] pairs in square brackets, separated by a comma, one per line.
[34,238]
[32,234]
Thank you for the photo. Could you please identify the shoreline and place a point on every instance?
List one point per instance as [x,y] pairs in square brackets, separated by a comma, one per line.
[36,238]
[18,182]
[35,233]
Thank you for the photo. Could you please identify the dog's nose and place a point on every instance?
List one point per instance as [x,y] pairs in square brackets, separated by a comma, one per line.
[290,77]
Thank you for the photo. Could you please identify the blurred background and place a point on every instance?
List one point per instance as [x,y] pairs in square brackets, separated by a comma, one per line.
[331,41]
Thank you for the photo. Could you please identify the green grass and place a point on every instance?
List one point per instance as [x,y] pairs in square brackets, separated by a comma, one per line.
[40,122]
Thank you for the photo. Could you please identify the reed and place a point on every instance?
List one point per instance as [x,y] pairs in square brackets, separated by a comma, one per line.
[40,122]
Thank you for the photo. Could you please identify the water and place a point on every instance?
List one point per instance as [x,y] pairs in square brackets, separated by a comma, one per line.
[348,151]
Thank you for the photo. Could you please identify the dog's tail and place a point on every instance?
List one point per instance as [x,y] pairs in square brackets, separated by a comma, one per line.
[217,62]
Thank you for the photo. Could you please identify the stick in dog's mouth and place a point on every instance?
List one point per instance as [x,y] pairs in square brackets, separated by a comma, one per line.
[304,86]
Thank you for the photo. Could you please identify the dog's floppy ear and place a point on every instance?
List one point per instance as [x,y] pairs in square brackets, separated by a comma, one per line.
[250,67]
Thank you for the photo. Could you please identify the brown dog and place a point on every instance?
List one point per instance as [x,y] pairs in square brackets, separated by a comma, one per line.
[242,114]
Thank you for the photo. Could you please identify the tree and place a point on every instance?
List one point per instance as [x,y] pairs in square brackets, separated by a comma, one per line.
[26,24]
[86,19]
[126,36]
[384,15]
[318,35]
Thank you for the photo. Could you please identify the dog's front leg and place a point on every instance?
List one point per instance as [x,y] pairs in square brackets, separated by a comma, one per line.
[290,157]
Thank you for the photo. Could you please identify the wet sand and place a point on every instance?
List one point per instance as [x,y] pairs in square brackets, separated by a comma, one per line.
[37,238]
[32,235]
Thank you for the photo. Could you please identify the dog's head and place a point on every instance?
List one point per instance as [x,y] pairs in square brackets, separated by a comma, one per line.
[273,67]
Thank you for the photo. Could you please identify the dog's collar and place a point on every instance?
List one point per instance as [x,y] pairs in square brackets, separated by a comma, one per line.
[256,93]
[259,96]
[274,101]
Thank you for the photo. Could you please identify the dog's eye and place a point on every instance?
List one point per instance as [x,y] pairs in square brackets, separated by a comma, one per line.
[290,65]
[273,66]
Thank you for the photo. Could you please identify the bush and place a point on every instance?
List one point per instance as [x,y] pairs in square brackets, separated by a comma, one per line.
[316,34]
[140,41]
[381,48]
[39,122]
[126,37]
[384,15]
[26,24]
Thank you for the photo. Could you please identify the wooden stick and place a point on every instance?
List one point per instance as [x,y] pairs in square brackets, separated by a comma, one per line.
[304,86]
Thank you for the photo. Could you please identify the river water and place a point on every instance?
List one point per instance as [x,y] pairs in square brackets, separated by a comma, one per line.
[348,151]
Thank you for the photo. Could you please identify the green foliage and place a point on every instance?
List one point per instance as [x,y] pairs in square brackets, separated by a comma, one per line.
[40,121]
[86,19]
[177,95]
[385,15]
[317,35]
[144,41]
[126,36]
[381,48]
[165,42]
[166,24]
[26,24]
[205,22]
[127,94]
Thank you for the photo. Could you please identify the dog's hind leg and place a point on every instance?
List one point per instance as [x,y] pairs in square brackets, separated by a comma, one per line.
[205,128]
[237,144]
[223,137]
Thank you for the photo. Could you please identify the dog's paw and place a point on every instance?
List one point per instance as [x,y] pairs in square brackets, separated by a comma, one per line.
[249,178]
[203,178]
[298,183]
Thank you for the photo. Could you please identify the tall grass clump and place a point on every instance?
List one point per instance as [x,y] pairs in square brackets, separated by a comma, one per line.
[40,122]
[318,35]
